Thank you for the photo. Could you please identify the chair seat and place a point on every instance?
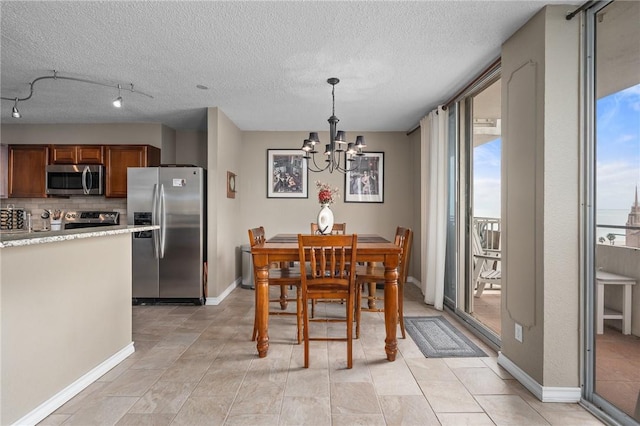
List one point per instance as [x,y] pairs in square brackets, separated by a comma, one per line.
[491,275]
[367,272]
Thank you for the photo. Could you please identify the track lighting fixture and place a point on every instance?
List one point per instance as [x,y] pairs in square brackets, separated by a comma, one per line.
[116,103]
[14,111]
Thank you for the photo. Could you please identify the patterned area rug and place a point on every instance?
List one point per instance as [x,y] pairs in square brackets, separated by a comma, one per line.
[437,338]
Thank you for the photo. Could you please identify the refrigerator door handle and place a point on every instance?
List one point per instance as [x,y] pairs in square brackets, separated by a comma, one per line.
[154,221]
[163,222]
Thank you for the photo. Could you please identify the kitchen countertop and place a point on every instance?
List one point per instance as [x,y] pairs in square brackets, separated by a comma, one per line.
[24,238]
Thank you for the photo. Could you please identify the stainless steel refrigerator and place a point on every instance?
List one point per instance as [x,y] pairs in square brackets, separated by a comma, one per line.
[167,263]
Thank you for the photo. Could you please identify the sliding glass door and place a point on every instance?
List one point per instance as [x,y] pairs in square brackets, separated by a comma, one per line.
[612,329]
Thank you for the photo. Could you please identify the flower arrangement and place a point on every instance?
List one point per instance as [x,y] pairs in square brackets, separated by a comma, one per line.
[326,194]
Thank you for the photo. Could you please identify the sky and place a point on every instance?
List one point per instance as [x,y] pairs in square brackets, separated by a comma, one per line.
[618,149]
[617,159]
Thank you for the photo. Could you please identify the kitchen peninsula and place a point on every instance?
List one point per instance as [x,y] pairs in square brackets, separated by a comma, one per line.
[65,315]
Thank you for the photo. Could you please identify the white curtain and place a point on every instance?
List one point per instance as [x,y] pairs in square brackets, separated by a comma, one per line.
[433,144]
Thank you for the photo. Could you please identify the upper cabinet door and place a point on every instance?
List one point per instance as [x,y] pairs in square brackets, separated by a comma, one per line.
[77,154]
[121,157]
[90,154]
[64,154]
[27,171]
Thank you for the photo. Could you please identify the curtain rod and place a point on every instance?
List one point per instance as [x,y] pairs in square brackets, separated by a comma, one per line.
[491,68]
[472,83]
[580,9]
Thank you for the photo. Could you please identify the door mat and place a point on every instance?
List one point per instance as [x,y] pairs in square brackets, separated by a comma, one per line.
[437,338]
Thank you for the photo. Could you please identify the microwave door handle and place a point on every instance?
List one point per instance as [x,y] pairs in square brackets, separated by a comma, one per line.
[90,176]
[154,221]
[163,222]
[85,172]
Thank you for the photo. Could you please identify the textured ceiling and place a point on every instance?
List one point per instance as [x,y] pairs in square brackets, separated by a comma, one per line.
[265,63]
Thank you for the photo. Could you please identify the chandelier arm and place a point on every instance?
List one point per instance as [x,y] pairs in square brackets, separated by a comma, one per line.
[346,169]
[55,76]
[318,169]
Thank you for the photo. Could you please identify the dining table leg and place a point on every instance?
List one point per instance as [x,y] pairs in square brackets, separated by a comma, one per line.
[261,265]
[391,305]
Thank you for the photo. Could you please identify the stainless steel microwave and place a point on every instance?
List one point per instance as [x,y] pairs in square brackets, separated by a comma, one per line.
[75,179]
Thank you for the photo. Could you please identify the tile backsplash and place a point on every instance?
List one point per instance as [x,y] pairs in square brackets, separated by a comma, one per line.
[36,206]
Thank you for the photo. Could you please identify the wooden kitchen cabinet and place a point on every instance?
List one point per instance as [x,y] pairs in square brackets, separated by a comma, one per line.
[120,157]
[27,171]
[77,154]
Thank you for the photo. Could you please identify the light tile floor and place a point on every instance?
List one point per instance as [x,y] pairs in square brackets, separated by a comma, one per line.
[617,355]
[197,366]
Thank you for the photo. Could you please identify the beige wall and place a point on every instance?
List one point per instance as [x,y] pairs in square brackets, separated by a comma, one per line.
[416,253]
[60,321]
[83,134]
[168,145]
[225,233]
[191,148]
[279,215]
[540,99]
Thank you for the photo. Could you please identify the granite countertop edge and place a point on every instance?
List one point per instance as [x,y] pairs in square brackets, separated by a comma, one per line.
[32,238]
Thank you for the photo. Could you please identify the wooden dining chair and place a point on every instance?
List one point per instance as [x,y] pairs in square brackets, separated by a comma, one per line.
[282,277]
[373,274]
[338,229]
[331,275]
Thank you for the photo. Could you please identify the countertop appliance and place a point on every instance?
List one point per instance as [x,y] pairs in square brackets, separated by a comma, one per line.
[75,179]
[90,219]
[167,263]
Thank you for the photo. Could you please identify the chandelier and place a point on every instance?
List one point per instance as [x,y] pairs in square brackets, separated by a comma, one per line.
[339,154]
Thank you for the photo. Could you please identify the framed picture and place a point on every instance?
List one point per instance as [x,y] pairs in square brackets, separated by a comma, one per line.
[287,174]
[231,185]
[364,183]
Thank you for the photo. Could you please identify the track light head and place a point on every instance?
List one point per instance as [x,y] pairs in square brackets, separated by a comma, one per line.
[118,101]
[14,111]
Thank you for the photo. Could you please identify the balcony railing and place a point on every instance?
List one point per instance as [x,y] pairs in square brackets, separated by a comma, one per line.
[489,229]
[617,235]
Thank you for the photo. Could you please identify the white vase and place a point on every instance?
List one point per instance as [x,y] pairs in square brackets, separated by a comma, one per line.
[325,219]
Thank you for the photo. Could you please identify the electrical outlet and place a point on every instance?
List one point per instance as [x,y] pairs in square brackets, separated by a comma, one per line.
[518,332]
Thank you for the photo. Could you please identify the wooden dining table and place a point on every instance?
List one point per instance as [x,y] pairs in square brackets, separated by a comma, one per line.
[284,248]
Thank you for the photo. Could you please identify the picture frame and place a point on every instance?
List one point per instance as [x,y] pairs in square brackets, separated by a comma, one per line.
[231,185]
[364,181]
[287,174]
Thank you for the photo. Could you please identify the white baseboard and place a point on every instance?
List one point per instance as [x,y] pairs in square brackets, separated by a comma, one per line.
[543,393]
[225,293]
[414,282]
[59,399]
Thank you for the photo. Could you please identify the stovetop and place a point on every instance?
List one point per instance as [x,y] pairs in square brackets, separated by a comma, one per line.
[89,218]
